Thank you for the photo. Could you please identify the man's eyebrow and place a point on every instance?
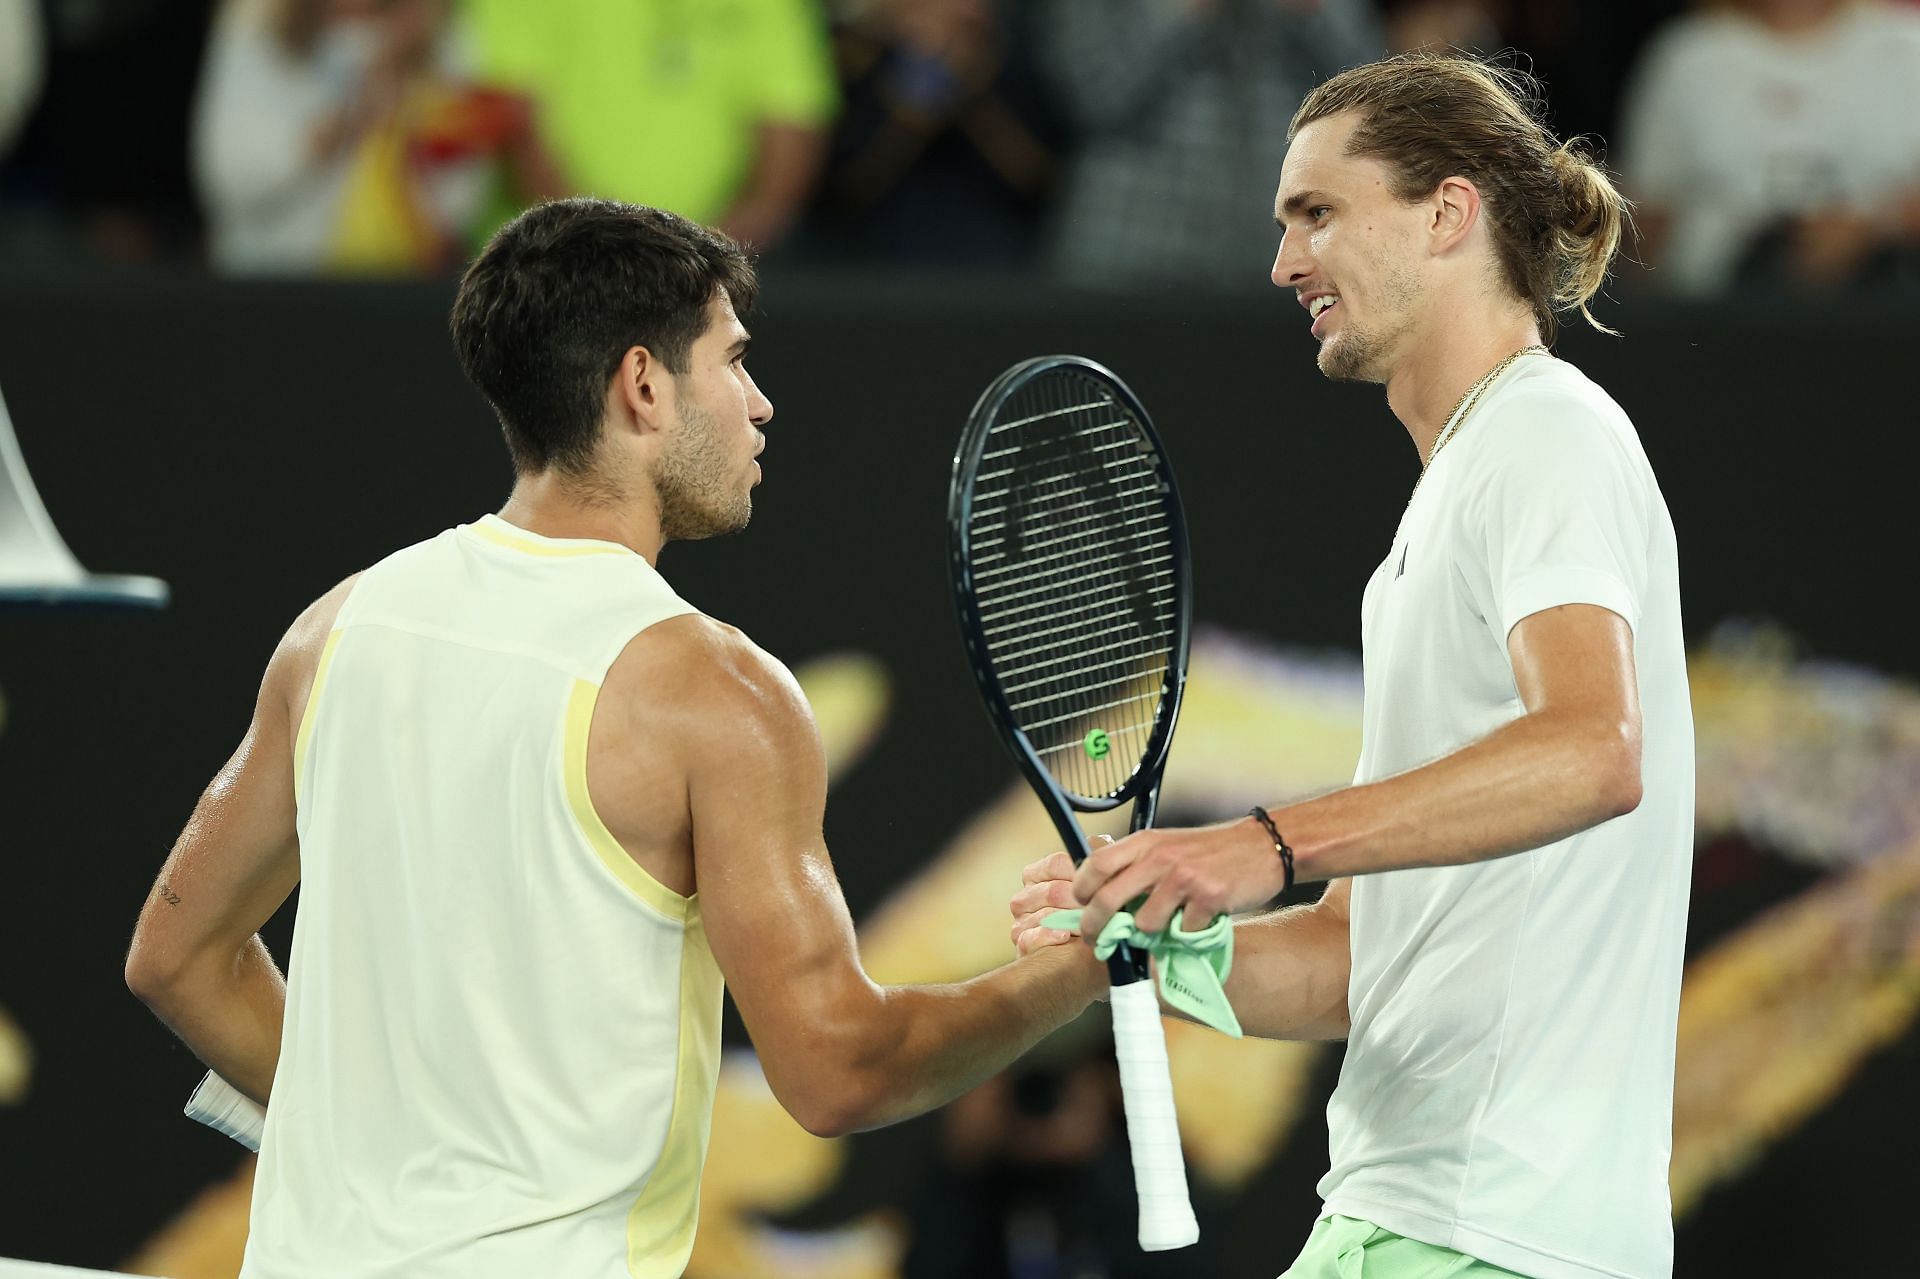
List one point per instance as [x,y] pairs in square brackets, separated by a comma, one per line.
[1299,202]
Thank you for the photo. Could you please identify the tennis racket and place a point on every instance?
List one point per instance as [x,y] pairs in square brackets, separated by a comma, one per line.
[1069,566]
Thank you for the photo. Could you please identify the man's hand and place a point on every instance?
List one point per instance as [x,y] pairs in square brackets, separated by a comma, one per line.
[1228,867]
[1045,886]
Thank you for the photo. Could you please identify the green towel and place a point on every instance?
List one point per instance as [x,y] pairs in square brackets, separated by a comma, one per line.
[1193,966]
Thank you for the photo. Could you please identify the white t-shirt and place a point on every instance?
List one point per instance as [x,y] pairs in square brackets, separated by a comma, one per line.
[1731,126]
[1508,1085]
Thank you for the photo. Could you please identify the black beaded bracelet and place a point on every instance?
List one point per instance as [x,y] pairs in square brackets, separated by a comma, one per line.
[1259,814]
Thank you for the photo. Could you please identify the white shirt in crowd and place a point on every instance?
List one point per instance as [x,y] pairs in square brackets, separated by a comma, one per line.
[273,206]
[22,66]
[1731,127]
[1508,1084]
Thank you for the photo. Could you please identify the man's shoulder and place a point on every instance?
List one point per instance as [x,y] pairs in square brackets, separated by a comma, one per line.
[1550,378]
[392,572]
[701,647]
[296,659]
[711,676]
[1549,431]
[1549,404]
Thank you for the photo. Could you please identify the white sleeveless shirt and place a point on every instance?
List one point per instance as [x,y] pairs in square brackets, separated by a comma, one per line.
[501,1034]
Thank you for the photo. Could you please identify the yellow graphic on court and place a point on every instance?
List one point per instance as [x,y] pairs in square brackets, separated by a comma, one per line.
[1773,1020]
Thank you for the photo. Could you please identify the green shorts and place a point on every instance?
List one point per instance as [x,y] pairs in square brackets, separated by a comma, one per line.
[1349,1248]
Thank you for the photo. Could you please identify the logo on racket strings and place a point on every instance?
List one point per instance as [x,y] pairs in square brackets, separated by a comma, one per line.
[1097,744]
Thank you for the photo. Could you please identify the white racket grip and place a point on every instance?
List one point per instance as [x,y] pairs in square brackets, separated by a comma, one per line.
[1146,1087]
[224,1108]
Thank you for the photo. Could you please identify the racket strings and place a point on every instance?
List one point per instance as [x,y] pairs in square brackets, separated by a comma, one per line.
[1075,578]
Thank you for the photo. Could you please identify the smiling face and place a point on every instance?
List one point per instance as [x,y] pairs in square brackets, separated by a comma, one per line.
[1351,251]
[705,473]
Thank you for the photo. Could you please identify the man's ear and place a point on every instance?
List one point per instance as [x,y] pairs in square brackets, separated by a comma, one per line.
[1453,212]
[642,390]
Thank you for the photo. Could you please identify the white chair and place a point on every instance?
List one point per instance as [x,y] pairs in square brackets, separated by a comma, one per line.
[36,568]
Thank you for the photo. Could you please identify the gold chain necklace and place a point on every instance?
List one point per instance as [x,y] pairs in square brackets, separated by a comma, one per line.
[1468,401]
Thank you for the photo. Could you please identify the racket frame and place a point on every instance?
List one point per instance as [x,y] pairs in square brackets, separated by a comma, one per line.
[1166,1217]
[1142,787]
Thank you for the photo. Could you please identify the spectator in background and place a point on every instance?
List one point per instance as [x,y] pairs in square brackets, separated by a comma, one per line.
[1472,26]
[1776,141]
[715,111]
[22,64]
[1034,1179]
[98,169]
[1183,108]
[945,150]
[1581,49]
[341,135]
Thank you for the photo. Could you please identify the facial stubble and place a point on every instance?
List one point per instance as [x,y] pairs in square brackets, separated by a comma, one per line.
[1362,353]
[692,483]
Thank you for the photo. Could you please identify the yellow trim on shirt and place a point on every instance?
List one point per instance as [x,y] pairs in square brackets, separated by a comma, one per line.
[501,533]
[660,1226]
[580,703]
[306,717]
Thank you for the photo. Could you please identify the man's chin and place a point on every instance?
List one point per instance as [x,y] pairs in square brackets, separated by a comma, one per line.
[1331,365]
[715,525]
[1339,362]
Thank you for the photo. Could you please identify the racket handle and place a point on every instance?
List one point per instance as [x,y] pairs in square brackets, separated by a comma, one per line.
[1146,1086]
[224,1108]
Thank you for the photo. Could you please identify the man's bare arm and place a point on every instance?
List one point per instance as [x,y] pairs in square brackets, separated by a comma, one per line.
[196,958]
[840,1052]
[1291,969]
[1570,762]
[787,163]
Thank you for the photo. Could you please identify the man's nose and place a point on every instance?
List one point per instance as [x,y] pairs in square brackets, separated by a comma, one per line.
[1290,266]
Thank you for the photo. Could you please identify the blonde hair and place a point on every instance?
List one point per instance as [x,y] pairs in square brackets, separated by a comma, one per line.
[1556,218]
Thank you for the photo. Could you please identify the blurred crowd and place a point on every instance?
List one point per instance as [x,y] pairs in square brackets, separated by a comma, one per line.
[1106,143]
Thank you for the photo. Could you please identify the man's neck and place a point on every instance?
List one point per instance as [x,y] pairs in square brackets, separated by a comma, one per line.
[1444,362]
[550,506]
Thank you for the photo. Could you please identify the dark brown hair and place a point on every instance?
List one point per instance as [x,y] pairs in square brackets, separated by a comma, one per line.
[561,293]
[1556,218]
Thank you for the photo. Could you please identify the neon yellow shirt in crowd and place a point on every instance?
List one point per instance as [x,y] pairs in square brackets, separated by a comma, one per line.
[658,101]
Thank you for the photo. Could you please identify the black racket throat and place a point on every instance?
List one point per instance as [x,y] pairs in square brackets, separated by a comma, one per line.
[1126,965]
[1069,563]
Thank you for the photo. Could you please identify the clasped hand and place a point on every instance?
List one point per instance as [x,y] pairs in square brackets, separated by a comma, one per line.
[1229,867]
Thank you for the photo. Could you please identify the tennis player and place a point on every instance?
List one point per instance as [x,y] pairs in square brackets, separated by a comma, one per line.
[1500,940]
[538,808]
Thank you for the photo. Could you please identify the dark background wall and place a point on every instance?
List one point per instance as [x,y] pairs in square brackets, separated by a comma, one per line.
[253,444]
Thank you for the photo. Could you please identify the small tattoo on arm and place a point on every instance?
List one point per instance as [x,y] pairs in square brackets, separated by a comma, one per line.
[167,894]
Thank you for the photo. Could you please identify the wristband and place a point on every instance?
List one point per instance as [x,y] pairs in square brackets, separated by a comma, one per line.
[1285,854]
